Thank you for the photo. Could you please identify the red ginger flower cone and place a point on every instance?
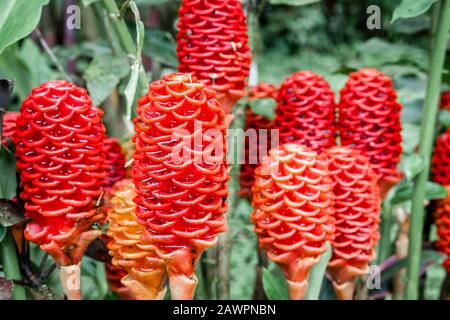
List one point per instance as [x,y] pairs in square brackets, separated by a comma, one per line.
[59,150]
[213,45]
[440,170]
[181,199]
[145,271]
[293,215]
[306,111]
[114,166]
[445,100]
[114,276]
[357,205]
[253,152]
[369,120]
[9,126]
[442,220]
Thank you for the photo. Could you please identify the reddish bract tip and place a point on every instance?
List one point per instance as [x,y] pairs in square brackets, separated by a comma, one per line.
[306,111]
[440,170]
[59,150]
[357,204]
[9,126]
[212,44]
[293,215]
[445,100]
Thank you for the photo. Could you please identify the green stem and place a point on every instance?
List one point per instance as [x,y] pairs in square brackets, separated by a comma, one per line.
[10,263]
[124,36]
[425,147]
[384,245]
[317,274]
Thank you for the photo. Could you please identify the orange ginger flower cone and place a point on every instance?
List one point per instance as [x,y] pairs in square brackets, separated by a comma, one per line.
[253,153]
[357,205]
[293,215]
[180,174]
[145,271]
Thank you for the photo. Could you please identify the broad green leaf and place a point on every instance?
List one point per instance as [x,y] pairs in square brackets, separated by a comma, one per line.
[87,3]
[411,165]
[18,18]
[161,46]
[411,9]
[13,66]
[130,90]
[444,118]
[265,107]
[10,213]
[37,63]
[8,183]
[275,287]
[293,2]
[410,137]
[433,191]
[317,275]
[104,74]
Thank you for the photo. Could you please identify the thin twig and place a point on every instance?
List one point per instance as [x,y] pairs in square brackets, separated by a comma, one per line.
[52,56]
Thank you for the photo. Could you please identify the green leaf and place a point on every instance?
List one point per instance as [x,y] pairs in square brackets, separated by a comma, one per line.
[2,233]
[8,183]
[410,137]
[87,3]
[150,2]
[14,67]
[317,275]
[275,287]
[433,191]
[265,107]
[411,165]
[161,46]
[10,213]
[130,90]
[38,63]
[411,9]
[293,2]
[18,18]
[444,118]
[104,74]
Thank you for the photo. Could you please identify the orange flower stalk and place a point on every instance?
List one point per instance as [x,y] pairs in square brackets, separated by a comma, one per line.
[256,122]
[293,215]
[357,205]
[369,120]
[145,271]
[180,174]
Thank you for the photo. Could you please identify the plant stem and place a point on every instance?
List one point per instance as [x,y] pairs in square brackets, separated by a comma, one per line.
[10,263]
[430,108]
[124,36]
[384,246]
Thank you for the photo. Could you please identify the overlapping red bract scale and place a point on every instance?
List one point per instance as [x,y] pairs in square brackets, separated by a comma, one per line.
[213,46]
[59,150]
[306,111]
[357,205]
[256,122]
[293,215]
[114,275]
[440,170]
[369,120]
[445,100]
[114,164]
[9,126]
[181,196]
[442,220]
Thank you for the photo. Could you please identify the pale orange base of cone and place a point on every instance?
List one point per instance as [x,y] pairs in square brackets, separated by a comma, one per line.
[297,290]
[141,291]
[344,291]
[70,277]
[182,287]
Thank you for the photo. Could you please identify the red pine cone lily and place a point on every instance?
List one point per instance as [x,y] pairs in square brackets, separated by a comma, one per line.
[114,164]
[59,151]
[306,111]
[369,120]
[181,200]
[212,44]
[293,215]
[440,171]
[445,100]
[145,271]
[9,126]
[357,205]
[442,220]
[256,122]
